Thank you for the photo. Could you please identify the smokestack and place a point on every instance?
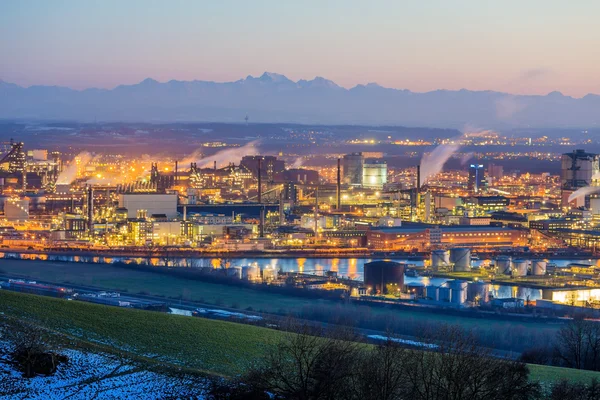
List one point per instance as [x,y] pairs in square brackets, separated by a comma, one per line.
[339,186]
[418,177]
[215,165]
[90,209]
[316,214]
[281,219]
[259,181]
[262,222]
[176,169]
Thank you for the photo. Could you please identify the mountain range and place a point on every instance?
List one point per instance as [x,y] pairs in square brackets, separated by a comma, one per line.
[273,97]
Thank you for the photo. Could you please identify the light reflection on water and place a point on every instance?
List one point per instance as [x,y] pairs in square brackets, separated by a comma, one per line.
[345,267]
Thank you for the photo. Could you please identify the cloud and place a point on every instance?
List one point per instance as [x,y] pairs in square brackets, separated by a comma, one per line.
[534,73]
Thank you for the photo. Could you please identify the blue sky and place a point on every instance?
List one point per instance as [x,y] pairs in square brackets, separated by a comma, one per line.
[529,46]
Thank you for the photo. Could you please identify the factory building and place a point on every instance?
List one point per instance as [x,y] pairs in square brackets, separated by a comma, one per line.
[578,169]
[445,236]
[476,181]
[149,204]
[352,166]
[270,167]
[16,209]
[374,173]
[301,175]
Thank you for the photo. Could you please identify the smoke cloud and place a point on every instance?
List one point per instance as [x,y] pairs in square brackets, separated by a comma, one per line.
[466,157]
[433,162]
[68,175]
[584,191]
[298,162]
[223,157]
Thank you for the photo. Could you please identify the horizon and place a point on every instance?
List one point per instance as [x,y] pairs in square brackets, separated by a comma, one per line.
[149,78]
[508,47]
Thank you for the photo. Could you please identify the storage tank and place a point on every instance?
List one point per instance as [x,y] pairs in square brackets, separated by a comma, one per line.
[444,294]
[379,274]
[251,273]
[461,258]
[234,272]
[458,291]
[432,292]
[520,267]
[478,292]
[439,258]
[504,265]
[538,267]
[269,274]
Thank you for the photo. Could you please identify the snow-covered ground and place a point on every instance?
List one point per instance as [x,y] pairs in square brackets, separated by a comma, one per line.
[90,376]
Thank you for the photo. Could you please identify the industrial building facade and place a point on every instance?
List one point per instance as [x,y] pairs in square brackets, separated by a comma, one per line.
[399,238]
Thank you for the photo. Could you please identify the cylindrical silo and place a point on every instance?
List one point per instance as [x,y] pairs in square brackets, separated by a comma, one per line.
[440,259]
[520,267]
[251,273]
[461,258]
[458,291]
[478,292]
[269,273]
[504,265]
[380,274]
[432,292]
[234,272]
[538,267]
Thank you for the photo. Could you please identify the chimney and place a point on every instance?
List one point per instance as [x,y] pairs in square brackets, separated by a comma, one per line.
[176,179]
[262,221]
[418,178]
[339,185]
[90,209]
[259,181]
[215,165]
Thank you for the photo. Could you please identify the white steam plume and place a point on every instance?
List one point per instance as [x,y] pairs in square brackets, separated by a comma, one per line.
[68,175]
[466,157]
[584,191]
[298,163]
[433,162]
[222,157]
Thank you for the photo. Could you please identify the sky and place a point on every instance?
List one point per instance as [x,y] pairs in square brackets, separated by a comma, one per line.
[515,46]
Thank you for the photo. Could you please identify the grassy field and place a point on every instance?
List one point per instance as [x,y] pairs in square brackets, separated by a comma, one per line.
[207,345]
[214,347]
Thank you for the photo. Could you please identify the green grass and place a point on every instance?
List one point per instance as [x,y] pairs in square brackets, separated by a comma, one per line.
[210,346]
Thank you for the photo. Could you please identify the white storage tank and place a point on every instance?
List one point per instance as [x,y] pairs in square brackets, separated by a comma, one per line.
[538,267]
[458,291]
[504,265]
[461,258]
[520,267]
[251,273]
[432,292]
[444,294]
[478,292]
[440,259]
[269,274]
[234,272]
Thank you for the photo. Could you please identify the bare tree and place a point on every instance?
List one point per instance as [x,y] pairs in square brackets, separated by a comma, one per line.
[578,344]
[307,363]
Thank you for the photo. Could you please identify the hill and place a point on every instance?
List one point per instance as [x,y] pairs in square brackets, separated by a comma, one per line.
[275,98]
[207,346]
